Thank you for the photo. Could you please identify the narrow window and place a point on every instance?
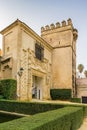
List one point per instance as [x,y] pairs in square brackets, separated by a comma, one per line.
[39,51]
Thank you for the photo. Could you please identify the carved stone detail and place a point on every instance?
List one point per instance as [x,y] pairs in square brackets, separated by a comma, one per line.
[29,62]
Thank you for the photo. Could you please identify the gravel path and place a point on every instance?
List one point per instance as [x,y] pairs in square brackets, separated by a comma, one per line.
[84,125]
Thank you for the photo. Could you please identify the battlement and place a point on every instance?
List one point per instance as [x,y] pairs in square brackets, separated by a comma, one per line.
[57,25]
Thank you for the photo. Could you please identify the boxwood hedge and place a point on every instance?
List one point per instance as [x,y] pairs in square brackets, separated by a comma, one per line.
[32,108]
[77,100]
[60,94]
[27,107]
[8,88]
[4,117]
[68,118]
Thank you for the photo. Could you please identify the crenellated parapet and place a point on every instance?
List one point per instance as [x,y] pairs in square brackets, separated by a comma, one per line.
[57,25]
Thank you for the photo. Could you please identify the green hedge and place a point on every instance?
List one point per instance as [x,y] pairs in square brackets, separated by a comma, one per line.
[8,88]
[60,94]
[0,88]
[77,100]
[68,118]
[4,117]
[35,107]
[27,107]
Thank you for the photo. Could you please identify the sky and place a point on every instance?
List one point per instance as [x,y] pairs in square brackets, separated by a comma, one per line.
[38,13]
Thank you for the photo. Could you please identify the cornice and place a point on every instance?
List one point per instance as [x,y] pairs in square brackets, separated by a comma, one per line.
[28,29]
[15,23]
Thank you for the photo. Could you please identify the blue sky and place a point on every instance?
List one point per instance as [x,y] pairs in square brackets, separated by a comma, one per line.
[37,13]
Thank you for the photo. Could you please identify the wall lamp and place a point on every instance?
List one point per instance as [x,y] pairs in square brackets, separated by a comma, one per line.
[20,71]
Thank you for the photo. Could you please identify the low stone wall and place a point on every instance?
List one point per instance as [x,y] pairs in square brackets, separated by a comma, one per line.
[81,87]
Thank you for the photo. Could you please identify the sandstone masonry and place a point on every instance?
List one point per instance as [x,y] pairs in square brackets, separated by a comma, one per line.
[39,63]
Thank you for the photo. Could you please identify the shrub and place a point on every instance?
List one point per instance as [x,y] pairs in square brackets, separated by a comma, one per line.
[0,88]
[31,108]
[85,110]
[27,107]
[60,94]
[68,118]
[1,97]
[4,117]
[9,87]
[77,100]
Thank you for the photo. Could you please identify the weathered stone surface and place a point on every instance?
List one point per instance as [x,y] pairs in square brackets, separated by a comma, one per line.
[56,70]
[63,40]
[81,87]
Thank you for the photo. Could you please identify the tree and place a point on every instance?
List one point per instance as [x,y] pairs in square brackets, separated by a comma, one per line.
[80,68]
[85,73]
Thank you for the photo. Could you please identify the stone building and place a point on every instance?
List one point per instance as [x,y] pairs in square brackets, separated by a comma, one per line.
[0,62]
[39,63]
[82,89]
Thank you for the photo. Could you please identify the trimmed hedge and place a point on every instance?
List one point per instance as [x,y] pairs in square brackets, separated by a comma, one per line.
[31,108]
[4,117]
[27,107]
[77,100]
[68,118]
[8,88]
[0,88]
[60,94]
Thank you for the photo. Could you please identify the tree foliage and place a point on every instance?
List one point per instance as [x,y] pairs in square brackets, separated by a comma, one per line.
[80,68]
[85,73]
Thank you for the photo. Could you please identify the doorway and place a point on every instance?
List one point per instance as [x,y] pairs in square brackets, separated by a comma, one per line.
[37,87]
[84,99]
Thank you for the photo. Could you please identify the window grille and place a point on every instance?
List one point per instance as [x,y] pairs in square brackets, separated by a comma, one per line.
[39,51]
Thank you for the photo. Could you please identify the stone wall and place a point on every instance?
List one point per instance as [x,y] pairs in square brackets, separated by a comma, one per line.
[62,37]
[19,52]
[56,70]
[81,87]
[10,40]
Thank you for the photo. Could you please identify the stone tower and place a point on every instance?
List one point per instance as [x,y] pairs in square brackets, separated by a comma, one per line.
[62,37]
